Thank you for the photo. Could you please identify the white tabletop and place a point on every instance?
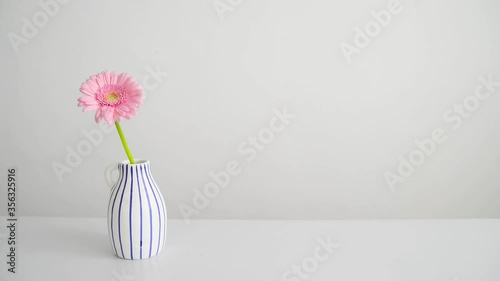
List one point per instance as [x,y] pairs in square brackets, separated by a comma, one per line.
[417,250]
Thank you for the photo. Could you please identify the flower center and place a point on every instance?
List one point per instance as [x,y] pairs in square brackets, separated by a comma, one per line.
[111,95]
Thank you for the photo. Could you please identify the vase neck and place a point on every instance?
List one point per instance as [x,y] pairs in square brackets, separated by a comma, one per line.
[140,167]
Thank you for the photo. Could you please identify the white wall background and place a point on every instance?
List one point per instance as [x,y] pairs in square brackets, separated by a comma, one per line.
[226,77]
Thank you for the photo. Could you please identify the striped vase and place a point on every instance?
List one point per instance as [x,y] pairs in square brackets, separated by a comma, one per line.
[137,217]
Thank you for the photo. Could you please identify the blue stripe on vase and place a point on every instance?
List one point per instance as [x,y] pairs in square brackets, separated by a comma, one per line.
[117,189]
[130,210]
[158,207]
[164,210]
[150,213]
[164,218]
[119,214]
[140,210]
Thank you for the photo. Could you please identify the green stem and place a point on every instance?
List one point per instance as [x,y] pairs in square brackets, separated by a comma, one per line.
[124,142]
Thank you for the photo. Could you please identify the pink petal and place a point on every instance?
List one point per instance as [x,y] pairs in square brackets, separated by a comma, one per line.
[126,83]
[98,115]
[120,111]
[100,79]
[113,78]
[107,77]
[137,98]
[90,100]
[92,85]
[123,108]
[96,81]
[136,93]
[131,113]
[86,90]
[121,78]
[109,115]
[90,108]
[129,85]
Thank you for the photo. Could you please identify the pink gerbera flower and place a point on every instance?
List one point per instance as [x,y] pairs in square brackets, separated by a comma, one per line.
[114,96]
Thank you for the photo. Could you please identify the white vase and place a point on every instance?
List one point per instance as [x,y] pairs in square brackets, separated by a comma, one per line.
[137,217]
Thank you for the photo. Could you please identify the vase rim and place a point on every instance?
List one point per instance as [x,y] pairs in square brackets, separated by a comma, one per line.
[137,162]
